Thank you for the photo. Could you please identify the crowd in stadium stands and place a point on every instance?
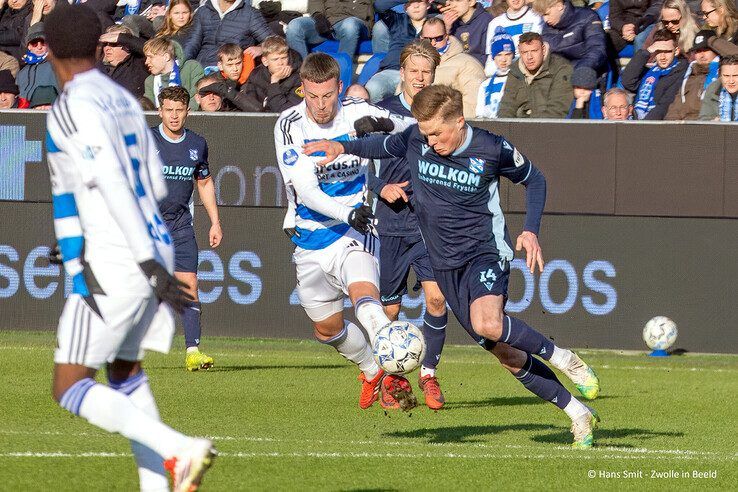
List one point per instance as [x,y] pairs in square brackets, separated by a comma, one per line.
[618,59]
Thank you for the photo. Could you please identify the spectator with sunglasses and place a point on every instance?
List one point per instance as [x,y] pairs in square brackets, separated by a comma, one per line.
[457,69]
[677,17]
[722,17]
[123,59]
[37,72]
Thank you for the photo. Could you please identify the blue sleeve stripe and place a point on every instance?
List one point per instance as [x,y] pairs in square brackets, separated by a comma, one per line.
[344,188]
[130,139]
[51,146]
[79,285]
[71,247]
[64,206]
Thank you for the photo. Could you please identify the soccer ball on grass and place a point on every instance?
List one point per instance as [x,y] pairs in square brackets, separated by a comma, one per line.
[660,333]
[399,347]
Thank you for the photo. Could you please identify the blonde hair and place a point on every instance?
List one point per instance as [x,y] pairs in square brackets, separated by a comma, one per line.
[157,46]
[688,28]
[729,19]
[168,28]
[274,44]
[423,49]
[119,28]
[437,100]
[541,6]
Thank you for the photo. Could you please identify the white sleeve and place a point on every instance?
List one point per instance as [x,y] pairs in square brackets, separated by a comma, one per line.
[104,166]
[480,99]
[158,184]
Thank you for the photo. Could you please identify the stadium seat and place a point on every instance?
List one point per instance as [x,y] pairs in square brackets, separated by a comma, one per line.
[370,68]
[331,47]
[347,69]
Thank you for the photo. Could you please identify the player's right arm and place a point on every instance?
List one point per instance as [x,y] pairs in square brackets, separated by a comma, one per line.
[375,147]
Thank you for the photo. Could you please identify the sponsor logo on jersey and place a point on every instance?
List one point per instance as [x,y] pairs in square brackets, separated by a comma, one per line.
[448,176]
[193,154]
[289,157]
[476,165]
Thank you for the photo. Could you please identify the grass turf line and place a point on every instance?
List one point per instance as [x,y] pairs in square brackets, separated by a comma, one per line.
[285,415]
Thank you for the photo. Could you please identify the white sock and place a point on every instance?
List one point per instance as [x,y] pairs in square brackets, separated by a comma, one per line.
[193,349]
[426,371]
[115,412]
[151,474]
[560,358]
[352,345]
[371,315]
[575,409]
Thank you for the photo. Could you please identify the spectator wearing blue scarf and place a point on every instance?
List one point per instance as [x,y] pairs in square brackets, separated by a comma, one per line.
[502,50]
[37,71]
[702,72]
[721,98]
[657,86]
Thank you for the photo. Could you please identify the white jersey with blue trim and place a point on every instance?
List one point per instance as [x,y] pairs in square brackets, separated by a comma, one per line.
[106,182]
[321,198]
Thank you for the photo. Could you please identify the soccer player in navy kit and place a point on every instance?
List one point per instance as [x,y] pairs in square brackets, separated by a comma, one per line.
[184,154]
[455,172]
[402,245]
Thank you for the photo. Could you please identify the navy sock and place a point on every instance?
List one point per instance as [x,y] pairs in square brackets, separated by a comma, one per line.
[542,382]
[191,322]
[434,331]
[516,333]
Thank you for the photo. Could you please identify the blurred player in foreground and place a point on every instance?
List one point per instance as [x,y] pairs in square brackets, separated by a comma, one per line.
[106,180]
[455,171]
[184,154]
[335,245]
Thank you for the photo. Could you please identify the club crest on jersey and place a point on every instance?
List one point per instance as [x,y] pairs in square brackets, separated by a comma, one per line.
[423,149]
[193,154]
[289,157]
[476,165]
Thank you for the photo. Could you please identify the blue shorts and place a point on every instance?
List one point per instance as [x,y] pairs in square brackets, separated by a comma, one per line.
[185,250]
[396,256]
[484,275]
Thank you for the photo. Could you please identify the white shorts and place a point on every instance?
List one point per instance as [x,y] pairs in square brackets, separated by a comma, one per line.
[323,275]
[90,339]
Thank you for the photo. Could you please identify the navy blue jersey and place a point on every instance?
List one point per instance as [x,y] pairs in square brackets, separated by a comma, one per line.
[456,197]
[185,160]
[398,218]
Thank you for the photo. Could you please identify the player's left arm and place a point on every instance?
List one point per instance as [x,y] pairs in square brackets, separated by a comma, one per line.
[206,192]
[520,170]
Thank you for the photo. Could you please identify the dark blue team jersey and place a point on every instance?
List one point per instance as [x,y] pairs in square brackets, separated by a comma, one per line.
[456,197]
[398,218]
[185,160]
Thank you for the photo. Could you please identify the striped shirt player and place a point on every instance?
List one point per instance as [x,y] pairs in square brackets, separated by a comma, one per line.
[106,183]
[332,258]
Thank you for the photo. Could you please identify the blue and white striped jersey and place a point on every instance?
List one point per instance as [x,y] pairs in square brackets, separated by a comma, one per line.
[321,198]
[106,182]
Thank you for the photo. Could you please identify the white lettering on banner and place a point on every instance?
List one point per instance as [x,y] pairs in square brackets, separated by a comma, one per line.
[223,186]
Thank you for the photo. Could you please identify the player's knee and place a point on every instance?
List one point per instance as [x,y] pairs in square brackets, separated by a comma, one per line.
[329,327]
[489,327]
[511,358]
[392,311]
[435,304]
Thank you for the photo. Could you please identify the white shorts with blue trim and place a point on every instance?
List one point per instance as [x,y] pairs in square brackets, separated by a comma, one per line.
[323,275]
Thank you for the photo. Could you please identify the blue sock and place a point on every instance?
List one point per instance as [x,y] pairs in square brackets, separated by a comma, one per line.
[516,333]
[72,398]
[434,332]
[542,382]
[191,322]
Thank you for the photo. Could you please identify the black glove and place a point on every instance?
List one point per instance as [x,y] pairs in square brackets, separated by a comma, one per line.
[167,288]
[360,218]
[55,256]
[372,124]
[323,25]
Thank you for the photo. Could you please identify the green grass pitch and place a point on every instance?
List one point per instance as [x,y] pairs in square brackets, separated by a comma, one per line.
[284,415]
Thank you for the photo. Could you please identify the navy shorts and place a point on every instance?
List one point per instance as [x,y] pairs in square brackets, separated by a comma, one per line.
[185,250]
[396,256]
[484,275]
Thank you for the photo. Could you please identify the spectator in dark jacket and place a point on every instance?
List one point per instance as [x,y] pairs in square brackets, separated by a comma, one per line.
[219,22]
[587,104]
[467,21]
[275,85]
[9,92]
[123,58]
[403,28]
[703,71]
[37,72]
[348,22]
[574,33]
[14,15]
[655,87]
[628,18]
